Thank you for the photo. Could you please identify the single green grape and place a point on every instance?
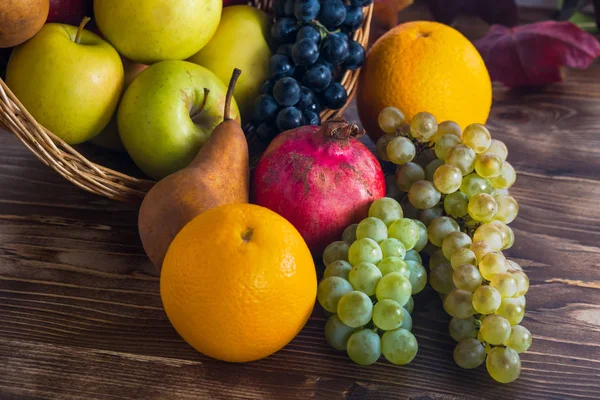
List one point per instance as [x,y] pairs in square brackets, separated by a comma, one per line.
[469,353]
[439,228]
[355,309]
[488,165]
[372,228]
[406,319]
[393,264]
[387,315]
[459,304]
[477,137]
[386,209]
[337,333]
[495,329]
[437,258]
[448,128]
[429,214]
[331,290]
[407,174]
[390,119]
[336,251]
[455,204]
[463,157]
[418,276]
[480,249]
[365,277]
[505,284]
[447,178]
[482,207]
[413,255]
[454,241]
[431,167]
[491,264]
[381,145]
[522,282]
[513,266]
[508,208]
[364,347]
[506,178]
[364,250]
[394,286]
[338,268]
[443,144]
[467,277]
[520,339]
[463,256]
[508,236]
[498,148]
[440,278]
[349,235]
[474,184]
[406,231]
[512,309]
[423,194]
[399,346]
[490,234]
[392,247]
[463,328]
[410,305]
[503,364]
[486,299]
[401,150]
[422,241]
[423,126]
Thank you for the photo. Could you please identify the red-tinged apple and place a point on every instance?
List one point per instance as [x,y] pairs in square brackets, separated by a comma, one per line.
[67,11]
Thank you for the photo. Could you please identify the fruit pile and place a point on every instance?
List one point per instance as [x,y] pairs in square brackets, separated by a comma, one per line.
[456,182]
[368,283]
[315,49]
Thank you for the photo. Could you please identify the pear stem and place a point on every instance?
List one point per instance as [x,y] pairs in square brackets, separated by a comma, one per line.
[84,21]
[195,114]
[229,96]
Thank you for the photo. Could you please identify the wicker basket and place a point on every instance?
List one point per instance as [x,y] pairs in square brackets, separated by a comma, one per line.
[73,166]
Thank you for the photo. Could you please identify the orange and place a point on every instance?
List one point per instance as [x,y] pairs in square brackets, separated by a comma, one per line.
[424,66]
[238,282]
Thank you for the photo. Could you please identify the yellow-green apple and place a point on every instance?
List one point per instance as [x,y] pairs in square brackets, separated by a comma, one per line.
[166,115]
[69,79]
[21,19]
[155,30]
[240,42]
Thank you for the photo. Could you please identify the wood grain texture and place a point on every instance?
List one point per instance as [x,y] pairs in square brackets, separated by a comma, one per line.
[81,316]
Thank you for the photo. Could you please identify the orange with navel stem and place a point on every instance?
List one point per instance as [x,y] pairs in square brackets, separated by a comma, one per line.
[424,66]
[238,282]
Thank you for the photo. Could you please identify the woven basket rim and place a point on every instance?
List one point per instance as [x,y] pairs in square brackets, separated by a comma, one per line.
[103,181]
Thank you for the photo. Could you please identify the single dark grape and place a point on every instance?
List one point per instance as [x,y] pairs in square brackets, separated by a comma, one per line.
[323,61]
[360,3]
[285,49]
[332,14]
[288,8]
[289,118]
[311,117]
[266,87]
[356,55]
[309,32]
[266,132]
[279,8]
[335,96]
[307,98]
[306,10]
[284,30]
[354,18]
[286,91]
[316,106]
[335,48]
[305,52]
[317,78]
[265,108]
[280,66]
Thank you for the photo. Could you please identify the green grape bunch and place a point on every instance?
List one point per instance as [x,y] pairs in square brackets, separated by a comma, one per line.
[457,184]
[368,285]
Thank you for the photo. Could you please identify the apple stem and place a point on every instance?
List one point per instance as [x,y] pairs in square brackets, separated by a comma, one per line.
[84,21]
[229,96]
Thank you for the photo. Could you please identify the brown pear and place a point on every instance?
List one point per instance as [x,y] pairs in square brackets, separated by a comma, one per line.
[21,19]
[218,175]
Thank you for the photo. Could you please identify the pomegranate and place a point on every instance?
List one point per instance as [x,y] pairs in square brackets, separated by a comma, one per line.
[320,178]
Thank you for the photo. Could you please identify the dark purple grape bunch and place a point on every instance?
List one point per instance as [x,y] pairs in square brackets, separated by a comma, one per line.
[314,49]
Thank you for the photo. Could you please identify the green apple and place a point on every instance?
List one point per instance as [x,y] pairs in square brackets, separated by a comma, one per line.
[69,79]
[155,30]
[240,42]
[165,115]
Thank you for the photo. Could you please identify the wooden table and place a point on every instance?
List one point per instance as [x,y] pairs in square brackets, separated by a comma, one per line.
[81,315]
